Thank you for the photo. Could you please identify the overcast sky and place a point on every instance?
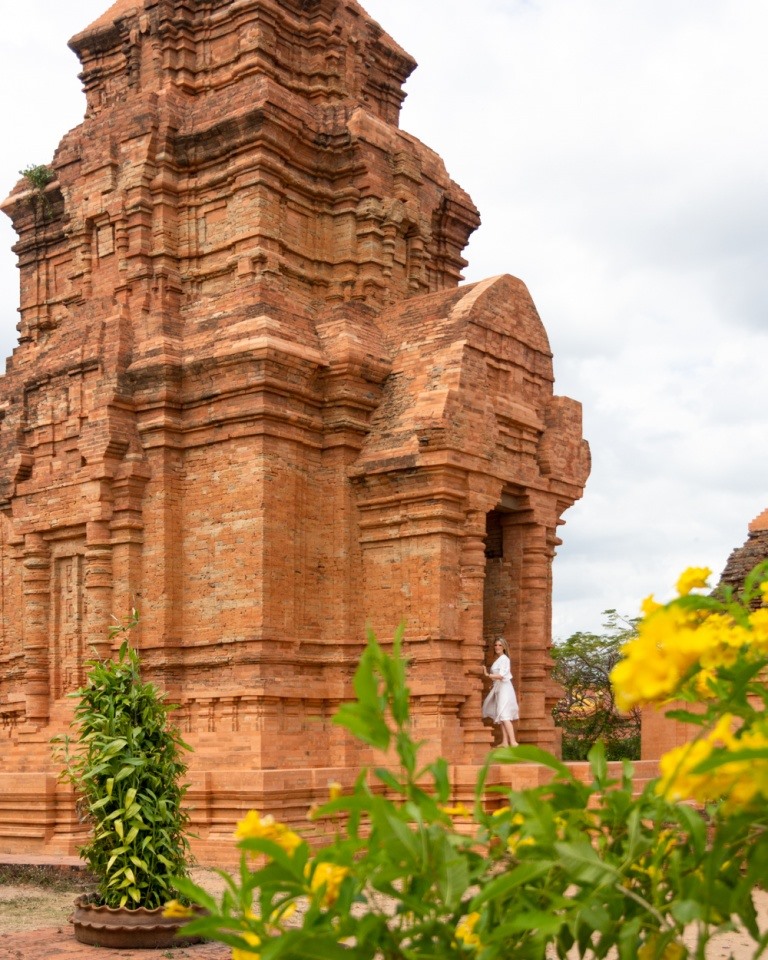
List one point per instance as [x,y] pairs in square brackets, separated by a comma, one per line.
[618,153]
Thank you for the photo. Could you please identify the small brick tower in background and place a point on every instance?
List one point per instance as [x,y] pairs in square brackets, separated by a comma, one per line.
[660,734]
[251,399]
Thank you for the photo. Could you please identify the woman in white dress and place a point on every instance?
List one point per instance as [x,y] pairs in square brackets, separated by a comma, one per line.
[501,703]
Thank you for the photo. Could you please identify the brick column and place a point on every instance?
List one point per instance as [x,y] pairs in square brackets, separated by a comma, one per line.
[98,589]
[127,539]
[477,738]
[37,602]
[531,662]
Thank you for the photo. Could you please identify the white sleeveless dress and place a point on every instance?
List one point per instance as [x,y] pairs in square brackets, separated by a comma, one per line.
[501,702]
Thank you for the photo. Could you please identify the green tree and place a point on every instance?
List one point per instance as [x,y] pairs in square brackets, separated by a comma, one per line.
[587,710]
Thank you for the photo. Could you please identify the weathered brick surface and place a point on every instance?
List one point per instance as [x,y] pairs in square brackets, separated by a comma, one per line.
[744,558]
[251,398]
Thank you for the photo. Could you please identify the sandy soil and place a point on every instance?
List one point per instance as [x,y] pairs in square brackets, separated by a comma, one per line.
[32,906]
[47,901]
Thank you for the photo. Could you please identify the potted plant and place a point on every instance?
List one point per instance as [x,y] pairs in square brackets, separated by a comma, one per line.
[126,763]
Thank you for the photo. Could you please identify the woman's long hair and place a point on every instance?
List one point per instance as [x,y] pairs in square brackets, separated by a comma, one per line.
[504,644]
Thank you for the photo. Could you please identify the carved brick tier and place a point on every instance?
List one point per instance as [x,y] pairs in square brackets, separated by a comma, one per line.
[251,398]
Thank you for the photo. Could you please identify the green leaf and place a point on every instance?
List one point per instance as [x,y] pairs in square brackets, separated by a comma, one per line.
[697,829]
[502,885]
[365,723]
[307,945]
[389,779]
[194,893]
[598,764]
[131,835]
[687,716]
[628,938]
[583,863]
[720,757]
[686,911]
[439,771]
[527,920]
[124,772]
[452,876]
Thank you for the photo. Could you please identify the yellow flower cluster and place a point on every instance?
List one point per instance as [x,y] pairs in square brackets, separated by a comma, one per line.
[177,911]
[253,825]
[335,790]
[275,926]
[465,931]
[328,876]
[253,939]
[742,783]
[458,810]
[694,578]
[674,641]
[516,840]
[650,950]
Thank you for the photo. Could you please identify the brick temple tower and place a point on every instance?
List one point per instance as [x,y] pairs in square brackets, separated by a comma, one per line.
[251,398]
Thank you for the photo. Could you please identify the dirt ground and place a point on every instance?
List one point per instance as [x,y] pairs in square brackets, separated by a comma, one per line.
[45,904]
[41,898]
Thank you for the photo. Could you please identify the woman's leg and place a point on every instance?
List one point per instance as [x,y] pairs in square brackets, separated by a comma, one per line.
[508,734]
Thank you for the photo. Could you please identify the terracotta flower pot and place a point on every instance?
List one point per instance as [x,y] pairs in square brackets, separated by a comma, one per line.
[138,929]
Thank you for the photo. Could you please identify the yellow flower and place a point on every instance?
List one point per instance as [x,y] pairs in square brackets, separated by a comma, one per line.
[654,662]
[465,931]
[334,790]
[459,810]
[515,843]
[240,954]
[704,681]
[281,914]
[561,826]
[758,622]
[253,825]
[671,643]
[740,783]
[177,911]
[648,951]
[328,876]
[649,606]
[693,578]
